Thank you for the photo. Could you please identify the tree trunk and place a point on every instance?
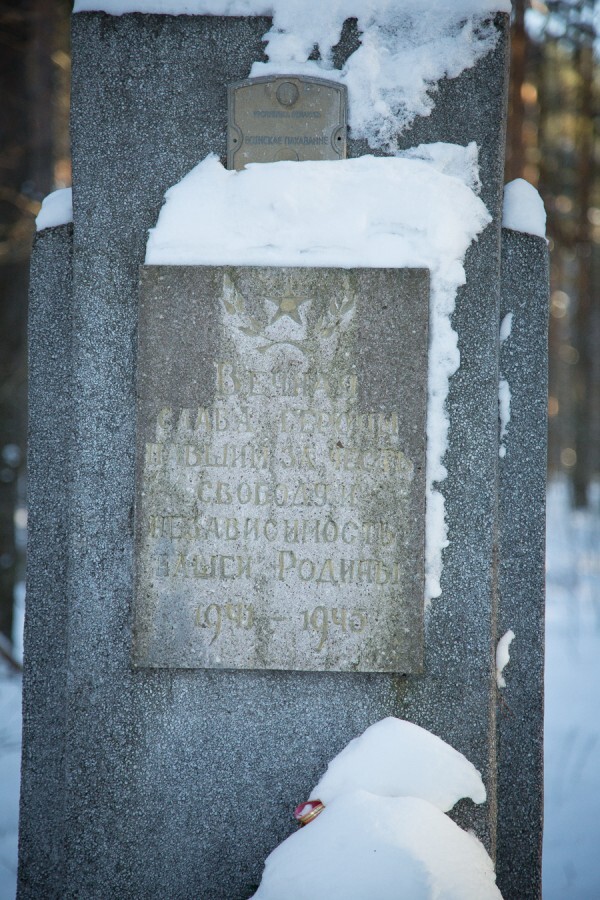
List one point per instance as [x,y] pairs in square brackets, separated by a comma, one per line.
[515,151]
[584,386]
[27,29]
[15,239]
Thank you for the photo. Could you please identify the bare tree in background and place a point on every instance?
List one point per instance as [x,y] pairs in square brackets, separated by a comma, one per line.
[32,33]
[569,179]
[552,142]
[587,297]
[515,144]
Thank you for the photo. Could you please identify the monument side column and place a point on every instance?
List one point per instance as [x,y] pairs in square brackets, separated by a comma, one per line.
[524,369]
[41,831]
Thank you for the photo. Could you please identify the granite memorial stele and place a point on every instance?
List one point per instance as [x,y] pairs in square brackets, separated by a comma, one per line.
[228,483]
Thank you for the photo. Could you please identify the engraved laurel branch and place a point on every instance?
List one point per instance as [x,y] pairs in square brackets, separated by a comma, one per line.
[337,314]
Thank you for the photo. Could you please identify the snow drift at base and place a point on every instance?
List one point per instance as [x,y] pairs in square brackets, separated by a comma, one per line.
[393,840]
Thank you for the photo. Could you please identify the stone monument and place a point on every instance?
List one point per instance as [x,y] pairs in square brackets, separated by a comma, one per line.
[228,489]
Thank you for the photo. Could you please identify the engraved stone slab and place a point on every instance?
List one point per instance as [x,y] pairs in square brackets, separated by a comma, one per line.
[280,481]
[287,117]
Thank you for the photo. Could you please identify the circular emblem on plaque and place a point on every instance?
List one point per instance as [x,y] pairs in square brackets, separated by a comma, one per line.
[287,93]
[286,153]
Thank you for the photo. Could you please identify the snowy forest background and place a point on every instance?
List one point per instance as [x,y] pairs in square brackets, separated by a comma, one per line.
[553,142]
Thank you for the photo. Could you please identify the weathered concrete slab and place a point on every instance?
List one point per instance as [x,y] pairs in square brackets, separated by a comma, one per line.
[280,505]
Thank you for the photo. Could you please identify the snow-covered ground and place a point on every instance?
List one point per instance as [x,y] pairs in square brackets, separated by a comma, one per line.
[10,760]
[572,828]
[572,732]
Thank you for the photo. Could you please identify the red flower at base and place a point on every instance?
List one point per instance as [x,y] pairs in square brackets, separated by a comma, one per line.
[306,812]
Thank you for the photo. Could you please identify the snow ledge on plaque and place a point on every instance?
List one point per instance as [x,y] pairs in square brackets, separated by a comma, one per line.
[419,210]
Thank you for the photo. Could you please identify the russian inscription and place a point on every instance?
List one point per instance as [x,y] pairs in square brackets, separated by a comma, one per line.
[288,117]
[280,468]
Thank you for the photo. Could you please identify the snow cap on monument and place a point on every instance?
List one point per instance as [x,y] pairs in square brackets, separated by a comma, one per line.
[57,209]
[523,208]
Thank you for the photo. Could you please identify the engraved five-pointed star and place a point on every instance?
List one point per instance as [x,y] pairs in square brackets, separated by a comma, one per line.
[288,306]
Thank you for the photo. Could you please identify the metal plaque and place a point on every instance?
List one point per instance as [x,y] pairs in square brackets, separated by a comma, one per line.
[280,498]
[285,117]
